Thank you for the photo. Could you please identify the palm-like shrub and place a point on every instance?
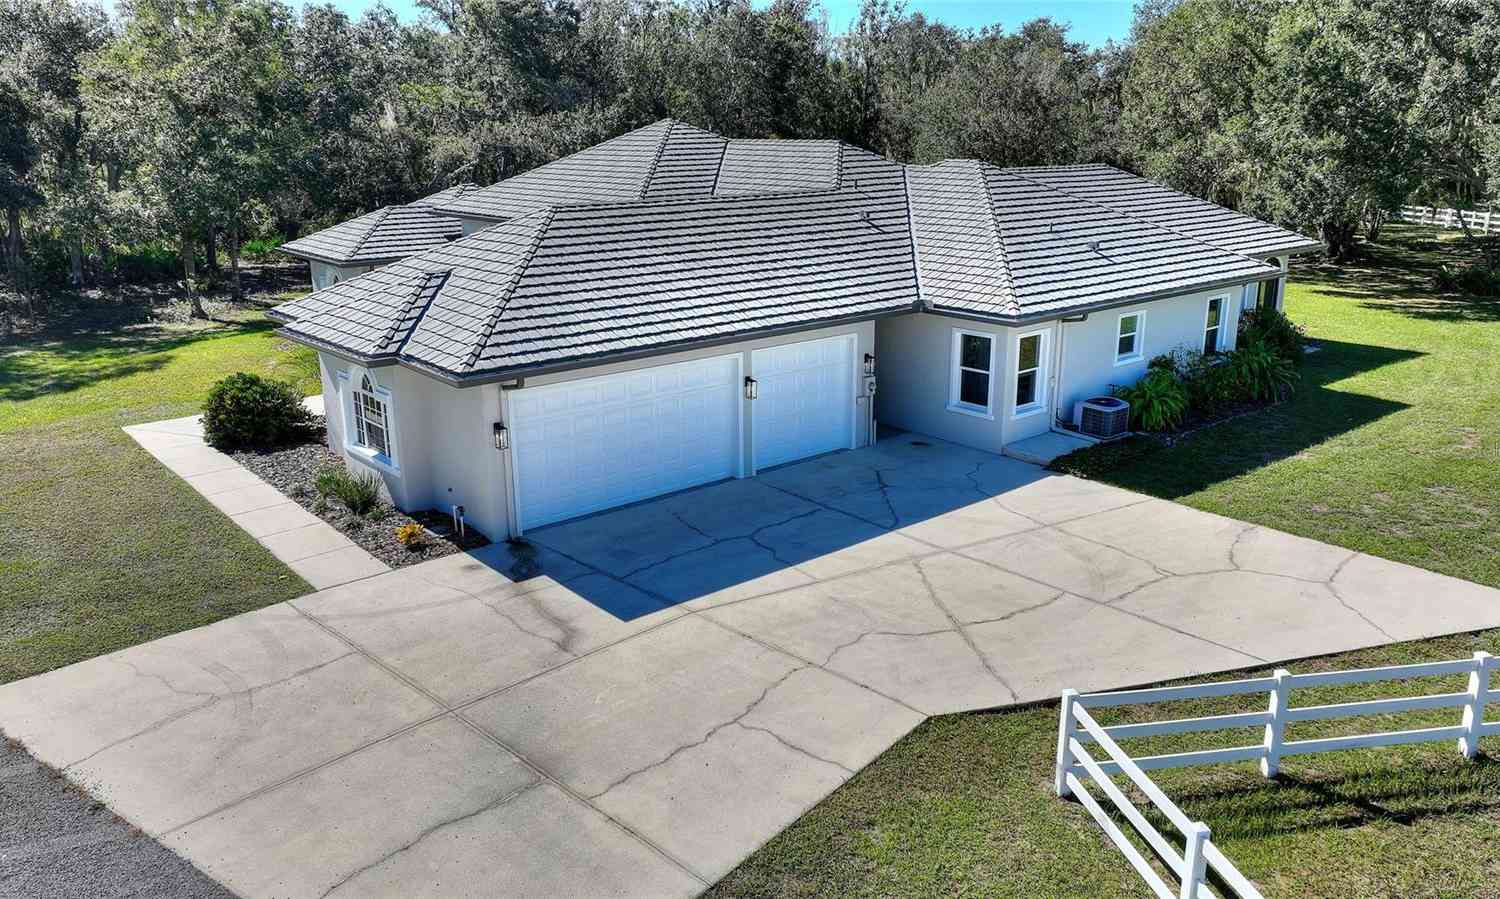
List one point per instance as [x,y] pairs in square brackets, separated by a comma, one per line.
[360,493]
[1271,327]
[246,411]
[1157,401]
[1260,372]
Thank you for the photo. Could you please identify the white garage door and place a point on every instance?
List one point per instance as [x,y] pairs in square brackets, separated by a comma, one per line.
[594,443]
[806,399]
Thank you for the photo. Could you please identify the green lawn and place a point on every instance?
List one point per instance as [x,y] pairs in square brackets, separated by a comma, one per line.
[1392,446]
[101,546]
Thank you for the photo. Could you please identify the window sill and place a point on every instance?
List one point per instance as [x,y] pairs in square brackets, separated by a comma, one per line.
[372,458]
[1028,411]
[1129,360]
[971,411]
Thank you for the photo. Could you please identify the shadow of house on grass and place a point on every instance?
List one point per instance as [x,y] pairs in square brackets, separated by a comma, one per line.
[86,359]
[1316,413]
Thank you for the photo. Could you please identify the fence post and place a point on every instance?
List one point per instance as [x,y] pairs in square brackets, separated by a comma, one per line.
[1194,862]
[1276,727]
[1479,685]
[1489,214]
[1066,725]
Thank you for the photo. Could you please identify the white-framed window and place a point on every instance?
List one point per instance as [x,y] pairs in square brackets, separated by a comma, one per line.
[1130,337]
[971,384]
[369,417]
[1031,362]
[1213,324]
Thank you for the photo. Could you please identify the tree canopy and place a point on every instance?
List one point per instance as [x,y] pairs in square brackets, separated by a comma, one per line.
[199,124]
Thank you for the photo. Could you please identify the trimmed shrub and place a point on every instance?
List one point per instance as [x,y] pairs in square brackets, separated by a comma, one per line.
[1157,401]
[1260,372]
[1271,327]
[246,411]
[412,536]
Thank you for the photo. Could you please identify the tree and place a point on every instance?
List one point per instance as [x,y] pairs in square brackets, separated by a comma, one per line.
[1332,136]
[204,92]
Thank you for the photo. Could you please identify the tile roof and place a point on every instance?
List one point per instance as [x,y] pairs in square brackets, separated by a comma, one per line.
[1137,197]
[669,236]
[582,282]
[385,235]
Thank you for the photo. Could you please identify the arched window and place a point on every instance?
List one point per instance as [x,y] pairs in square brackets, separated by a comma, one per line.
[371,419]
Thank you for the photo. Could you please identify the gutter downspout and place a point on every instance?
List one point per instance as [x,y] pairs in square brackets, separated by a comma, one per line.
[507,459]
[1062,349]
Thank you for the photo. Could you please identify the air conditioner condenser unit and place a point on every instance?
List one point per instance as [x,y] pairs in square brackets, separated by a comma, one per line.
[1102,416]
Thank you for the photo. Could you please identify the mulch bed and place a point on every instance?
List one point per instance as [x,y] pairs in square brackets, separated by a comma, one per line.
[293,470]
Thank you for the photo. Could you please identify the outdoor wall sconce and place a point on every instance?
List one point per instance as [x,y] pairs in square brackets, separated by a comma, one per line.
[869,363]
[502,437]
[752,388]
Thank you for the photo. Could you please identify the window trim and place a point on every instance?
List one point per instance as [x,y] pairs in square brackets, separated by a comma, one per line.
[1138,353]
[1223,300]
[348,379]
[956,370]
[1038,403]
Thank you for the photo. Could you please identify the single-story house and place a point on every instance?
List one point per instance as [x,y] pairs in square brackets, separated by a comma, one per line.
[671,308]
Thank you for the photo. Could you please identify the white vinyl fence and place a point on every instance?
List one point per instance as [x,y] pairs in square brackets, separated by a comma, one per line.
[1078,769]
[1477,220]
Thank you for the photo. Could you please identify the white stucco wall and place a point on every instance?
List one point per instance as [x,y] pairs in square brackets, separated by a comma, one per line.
[325,275]
[444,448]
[915,355]
[1088,366]
[444,443]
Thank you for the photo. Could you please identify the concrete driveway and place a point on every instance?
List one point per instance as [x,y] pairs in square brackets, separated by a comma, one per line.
[683,678]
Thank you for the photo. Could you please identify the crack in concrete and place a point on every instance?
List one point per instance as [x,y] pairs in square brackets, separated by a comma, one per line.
[963,634]
[429,831]
[1022,611]
[1234,547]
[793,746]
[880,633]
[705,738]
[210,697]
[753,537]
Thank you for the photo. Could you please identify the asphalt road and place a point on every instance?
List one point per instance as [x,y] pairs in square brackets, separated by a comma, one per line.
[56,842]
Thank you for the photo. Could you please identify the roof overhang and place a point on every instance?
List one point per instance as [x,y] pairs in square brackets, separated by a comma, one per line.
[1116,303]
[339,263]
[512,373]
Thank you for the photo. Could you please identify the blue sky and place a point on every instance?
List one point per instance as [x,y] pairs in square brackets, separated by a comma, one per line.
[1093,21]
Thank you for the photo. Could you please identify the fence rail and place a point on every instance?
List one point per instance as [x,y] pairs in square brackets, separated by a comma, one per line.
[1477,220]
[1078,732]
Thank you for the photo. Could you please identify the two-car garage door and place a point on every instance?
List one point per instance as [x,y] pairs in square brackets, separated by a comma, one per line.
[594,443]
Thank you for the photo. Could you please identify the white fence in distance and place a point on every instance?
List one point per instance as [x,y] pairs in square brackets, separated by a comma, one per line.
[1449,218]
[1077,767]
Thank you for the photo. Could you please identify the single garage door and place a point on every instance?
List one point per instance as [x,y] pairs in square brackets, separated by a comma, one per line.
[591,444]
[806,399]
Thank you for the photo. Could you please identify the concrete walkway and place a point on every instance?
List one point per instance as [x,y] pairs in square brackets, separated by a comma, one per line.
[686,676]
[304,542]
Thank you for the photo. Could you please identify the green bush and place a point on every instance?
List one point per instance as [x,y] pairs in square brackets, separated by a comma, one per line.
[1271,327]
[1260,372]
[359,493]
[246,411]
[1157,401]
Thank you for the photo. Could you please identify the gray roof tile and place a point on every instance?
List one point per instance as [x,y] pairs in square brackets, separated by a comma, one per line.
[387,234]
[1137,197]
[670,235]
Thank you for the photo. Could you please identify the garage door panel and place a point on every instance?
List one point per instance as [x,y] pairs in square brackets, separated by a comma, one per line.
[806,401]
[598,443]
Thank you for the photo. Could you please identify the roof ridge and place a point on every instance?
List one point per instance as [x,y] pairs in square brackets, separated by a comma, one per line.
[1007,282]
[661,147]
[425,287]
[1135,218]
[510,285]
[376,218]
